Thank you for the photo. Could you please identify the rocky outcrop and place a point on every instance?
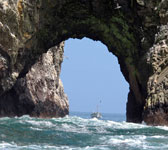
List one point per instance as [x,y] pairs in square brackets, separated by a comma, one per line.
[36,91]
[40,93]
[156,107]
[15,39]
[133,30]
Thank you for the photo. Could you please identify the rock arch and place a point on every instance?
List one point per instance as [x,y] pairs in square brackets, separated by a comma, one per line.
[128,28]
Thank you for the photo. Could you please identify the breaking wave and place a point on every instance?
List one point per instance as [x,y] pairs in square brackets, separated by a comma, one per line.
[76,133]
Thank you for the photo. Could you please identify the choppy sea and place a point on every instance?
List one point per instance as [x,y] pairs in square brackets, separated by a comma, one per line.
[79,132]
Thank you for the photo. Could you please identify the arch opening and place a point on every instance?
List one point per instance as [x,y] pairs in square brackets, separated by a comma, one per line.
[90,74]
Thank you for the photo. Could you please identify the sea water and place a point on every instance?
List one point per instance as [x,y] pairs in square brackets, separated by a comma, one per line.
[79,132]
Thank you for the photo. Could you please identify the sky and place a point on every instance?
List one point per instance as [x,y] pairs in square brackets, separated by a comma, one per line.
[90,74]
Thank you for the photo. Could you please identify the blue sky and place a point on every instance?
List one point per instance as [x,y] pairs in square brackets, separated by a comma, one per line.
[90,74]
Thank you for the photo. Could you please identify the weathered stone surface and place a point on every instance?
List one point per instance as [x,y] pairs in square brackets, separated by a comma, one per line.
[156,108]
[40,93]
[18,22]
[133,30]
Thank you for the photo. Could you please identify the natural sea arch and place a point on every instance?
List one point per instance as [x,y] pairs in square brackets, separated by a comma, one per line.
[127,28]
[56,21]
[100,21]
[91,74]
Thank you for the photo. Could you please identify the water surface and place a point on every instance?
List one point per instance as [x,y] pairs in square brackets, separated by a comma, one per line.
[79,132]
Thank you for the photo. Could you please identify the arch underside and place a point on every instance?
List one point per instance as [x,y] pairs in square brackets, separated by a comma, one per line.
[40,25]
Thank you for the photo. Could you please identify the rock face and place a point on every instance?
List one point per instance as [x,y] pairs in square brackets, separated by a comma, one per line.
[156,107]
[136,31]
[40,93]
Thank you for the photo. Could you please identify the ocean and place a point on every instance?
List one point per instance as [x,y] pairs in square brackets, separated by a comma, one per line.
[79,132]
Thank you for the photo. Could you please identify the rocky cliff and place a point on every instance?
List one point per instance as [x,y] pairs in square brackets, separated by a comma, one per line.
[136,31]
[40,93]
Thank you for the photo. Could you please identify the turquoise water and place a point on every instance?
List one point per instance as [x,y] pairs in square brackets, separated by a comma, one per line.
[79,132]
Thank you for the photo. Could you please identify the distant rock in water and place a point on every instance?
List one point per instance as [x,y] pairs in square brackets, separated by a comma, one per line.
[40,93]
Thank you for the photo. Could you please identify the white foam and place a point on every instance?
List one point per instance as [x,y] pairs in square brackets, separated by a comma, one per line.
[4,118]
[129,141]
[37,129]
[7,146]
[71,128]
[40,123]
[158,137]
[82,125]
[163,128]
[95,119]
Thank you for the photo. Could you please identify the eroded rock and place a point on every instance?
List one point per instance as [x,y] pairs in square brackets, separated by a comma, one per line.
[134,31]
[156,107]
[40,93]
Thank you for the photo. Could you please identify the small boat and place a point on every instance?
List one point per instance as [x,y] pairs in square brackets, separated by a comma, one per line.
[96,114]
